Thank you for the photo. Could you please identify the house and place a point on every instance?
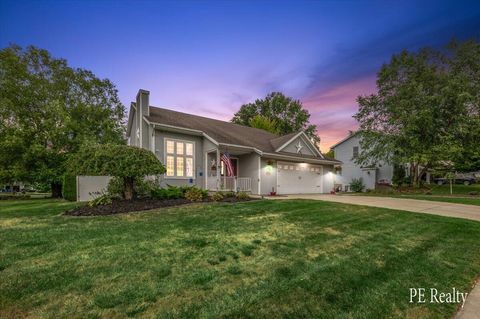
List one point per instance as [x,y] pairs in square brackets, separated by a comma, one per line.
[195,150]
[346,151]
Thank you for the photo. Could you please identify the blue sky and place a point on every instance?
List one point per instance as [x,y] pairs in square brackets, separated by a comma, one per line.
[210,57]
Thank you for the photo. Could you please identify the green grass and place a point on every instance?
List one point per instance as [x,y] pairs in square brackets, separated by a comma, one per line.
[448,199]
[262,259]
[458,189]
[439,193]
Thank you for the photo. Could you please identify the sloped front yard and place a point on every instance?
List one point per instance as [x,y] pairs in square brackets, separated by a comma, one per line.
[292,258]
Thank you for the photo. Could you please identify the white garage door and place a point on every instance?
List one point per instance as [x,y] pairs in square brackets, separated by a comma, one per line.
[299,178]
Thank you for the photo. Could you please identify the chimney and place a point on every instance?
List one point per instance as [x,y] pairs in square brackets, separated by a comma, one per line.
[143,102]
[143,109]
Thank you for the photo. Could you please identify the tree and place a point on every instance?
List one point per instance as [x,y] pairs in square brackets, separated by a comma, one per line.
[288,115]
[47,110]
[125,162]
[330,153]
[264,123]
[426,110]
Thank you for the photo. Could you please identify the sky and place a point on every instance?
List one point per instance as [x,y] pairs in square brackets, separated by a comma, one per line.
[210,57]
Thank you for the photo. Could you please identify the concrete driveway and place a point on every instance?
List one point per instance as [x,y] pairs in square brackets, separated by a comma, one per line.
[471,212]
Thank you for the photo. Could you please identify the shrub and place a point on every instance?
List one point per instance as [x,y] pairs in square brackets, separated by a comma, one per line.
[144,187]
[115,187]
[195,194]
[229,194]
[171,192]
[243,196]
[356,185]
[122,161]
[69,187]
[398,177]
[104,199]
[218,196]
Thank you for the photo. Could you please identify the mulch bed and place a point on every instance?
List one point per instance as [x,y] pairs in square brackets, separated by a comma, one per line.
[128,206]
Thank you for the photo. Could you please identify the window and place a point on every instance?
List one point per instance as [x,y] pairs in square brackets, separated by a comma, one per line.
[170,166]
[355,151]
[179,158]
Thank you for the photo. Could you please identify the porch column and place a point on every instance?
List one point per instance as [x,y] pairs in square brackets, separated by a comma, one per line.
[218,169]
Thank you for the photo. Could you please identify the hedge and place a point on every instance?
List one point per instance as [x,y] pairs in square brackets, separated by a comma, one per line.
[69,187]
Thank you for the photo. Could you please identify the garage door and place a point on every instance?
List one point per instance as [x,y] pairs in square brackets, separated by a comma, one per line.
[299,178]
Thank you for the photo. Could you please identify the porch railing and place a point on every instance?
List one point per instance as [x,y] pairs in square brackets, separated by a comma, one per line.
[242,184]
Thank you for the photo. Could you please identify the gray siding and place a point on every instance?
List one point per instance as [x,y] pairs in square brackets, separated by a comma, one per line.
[198,179]
[291,148]
[350,170]
[133,132]
[249,167]
[268,177]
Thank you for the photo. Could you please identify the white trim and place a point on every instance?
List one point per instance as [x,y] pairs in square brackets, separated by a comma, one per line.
[152,146]
[259,175]
[130,118]
[179,155]
[241,146]
[311,147]
[182,129]
[300,159]
[344,140]
[205,172]
[288,142]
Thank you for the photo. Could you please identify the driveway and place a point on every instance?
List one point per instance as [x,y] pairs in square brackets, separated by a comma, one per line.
[412,205]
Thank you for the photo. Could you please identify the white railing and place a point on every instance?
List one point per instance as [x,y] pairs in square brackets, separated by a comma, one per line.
[212,182]
[242,184]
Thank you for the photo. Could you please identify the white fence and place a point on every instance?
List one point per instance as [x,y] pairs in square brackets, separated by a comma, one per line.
[90,187]
[242,184]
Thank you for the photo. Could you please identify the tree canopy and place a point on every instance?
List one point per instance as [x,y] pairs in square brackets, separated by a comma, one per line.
[47,110]
[287,114]
[125,162]
[426,110]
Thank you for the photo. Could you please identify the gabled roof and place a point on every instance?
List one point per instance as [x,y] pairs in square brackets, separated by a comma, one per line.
[223,132]
[352,134]
[279,141]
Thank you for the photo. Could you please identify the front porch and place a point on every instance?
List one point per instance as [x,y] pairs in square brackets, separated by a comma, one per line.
[244,164]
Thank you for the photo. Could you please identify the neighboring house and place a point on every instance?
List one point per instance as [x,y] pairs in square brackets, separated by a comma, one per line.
[192,147]
[346,151]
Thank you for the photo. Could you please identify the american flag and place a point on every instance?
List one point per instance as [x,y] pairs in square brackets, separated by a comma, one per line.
[228,164]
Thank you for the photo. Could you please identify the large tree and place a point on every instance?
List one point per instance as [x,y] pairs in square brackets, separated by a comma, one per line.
[47,110]
[128,163]
[426,110]
[287,114]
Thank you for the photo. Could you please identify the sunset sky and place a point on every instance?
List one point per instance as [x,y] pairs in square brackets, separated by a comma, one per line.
[210,57]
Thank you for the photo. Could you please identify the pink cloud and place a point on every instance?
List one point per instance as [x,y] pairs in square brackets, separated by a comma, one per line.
[332,109]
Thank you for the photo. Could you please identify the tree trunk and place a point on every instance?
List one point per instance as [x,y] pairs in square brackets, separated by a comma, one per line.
[56,188]
[128,188]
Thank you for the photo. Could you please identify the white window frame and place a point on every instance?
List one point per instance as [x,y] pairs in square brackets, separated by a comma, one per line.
[184,156]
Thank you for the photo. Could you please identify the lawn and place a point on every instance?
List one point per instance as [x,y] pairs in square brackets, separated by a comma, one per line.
[439,193]
[261,259]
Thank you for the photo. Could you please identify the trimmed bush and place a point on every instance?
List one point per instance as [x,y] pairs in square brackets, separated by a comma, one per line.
[218,196]
[195,194]
[356,185]
[69,187]
[171,192]
[243,195]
